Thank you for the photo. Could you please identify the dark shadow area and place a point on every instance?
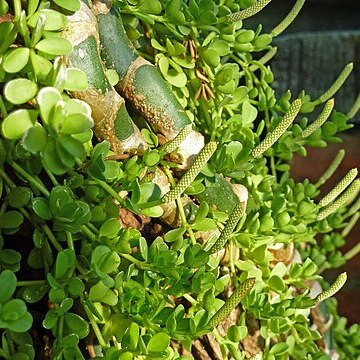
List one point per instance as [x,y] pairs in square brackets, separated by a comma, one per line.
[314,49]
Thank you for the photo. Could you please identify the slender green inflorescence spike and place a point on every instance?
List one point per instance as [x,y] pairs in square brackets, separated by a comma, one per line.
[274,135]
[339,188]
[336,84]
[233,301]
[248,12]
[288,19]
[332,168]
[355,108]
[333,289]
[234,218]
[172,145]
[319,120]
[191,174]
[348,195]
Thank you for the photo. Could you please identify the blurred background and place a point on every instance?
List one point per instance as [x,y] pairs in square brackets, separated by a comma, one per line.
[311,54]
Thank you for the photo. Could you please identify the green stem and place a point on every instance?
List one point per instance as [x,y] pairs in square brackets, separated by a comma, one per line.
[110,191]
[94,325]
[69,240]
[31,282]
[60,328]
[2,107]
[263,60]
[129,257]
[88,233]
[7,179]
[181,210]
[190,299]
[51,237]
[92,227]
[30,178]
[184,222]
[52,178]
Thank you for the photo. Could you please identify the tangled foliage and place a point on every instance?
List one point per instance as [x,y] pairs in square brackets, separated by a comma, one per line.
[90,264]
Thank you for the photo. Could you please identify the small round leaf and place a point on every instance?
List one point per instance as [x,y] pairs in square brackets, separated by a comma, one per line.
[19,91]
[15,60]
[34,139]
[17,123]
[54,46]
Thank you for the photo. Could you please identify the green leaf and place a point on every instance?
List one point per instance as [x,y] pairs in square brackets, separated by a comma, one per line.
[105,259]
[55,20]
[72,146]
[143,248]
[211,57]
[52,159]
[110,228]
[54,46]
[77,325]
[100,292]
[7,285]
[65,306]
[34,139]
[4,7]
[47,98]
[279,349]
[163,64]
[205,225]
[76,80]
[65,261]
[15,60]
[201,212]
[174,235]
[155,211]
[276,283]
[249,113]
[75,106]
[17,123]
[71,5]
[76,123]
[159,342]
[131,336]
[19,91]
[19,196]
[149,6]
[76,287]
[34,293]
[176,79]
[221,47]
[41,208]
[11,219]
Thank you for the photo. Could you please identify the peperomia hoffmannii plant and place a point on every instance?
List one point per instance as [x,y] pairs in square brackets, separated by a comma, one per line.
[147,206]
